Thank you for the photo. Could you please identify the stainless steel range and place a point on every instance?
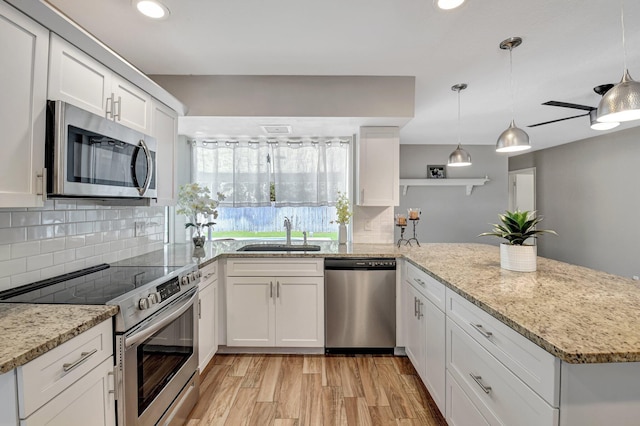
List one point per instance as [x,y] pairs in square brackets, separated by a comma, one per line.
[156,333]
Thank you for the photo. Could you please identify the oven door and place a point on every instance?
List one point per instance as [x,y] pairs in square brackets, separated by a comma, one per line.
[159,361]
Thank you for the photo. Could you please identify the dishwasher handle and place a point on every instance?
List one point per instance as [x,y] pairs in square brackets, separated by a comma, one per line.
[359,264]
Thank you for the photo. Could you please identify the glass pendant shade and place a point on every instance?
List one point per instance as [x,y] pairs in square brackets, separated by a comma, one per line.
[622,102]
[513,139]
[459,158]
[597,125]
[448,4]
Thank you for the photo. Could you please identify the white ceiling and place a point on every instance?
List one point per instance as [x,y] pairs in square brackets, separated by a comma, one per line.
[569,47]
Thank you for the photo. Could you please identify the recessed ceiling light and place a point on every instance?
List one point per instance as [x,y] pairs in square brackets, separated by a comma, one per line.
[152,9]
[448,4]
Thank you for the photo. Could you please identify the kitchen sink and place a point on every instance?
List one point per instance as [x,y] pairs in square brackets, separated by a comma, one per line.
[279,247]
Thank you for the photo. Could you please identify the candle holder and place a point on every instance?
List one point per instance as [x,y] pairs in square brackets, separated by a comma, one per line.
[414,238]
[401,221]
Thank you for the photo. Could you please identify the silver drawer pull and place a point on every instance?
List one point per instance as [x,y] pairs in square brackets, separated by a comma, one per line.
[208,275]
[482,331]
[419,281]
[420,305]
[83,357]
[478,379]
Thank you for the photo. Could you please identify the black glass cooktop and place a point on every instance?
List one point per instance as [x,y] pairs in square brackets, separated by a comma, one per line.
[91,286]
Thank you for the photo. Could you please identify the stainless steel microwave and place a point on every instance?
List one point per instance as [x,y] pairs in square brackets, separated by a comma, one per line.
[88,156]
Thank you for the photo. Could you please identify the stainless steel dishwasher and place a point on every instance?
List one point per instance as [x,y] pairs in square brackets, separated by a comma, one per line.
[360,305]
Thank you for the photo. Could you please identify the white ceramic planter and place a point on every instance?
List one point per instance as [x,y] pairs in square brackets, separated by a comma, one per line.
[342,234]
[518,258]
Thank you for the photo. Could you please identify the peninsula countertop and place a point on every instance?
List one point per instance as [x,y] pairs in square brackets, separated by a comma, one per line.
[577,314]
[29,330]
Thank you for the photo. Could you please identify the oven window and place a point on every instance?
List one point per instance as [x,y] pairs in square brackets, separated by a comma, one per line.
[161,356]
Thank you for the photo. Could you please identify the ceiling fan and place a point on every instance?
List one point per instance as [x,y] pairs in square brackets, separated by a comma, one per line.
[600,90]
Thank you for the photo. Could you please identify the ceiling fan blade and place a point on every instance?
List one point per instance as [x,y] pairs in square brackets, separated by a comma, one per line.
[569,105]
[555,121]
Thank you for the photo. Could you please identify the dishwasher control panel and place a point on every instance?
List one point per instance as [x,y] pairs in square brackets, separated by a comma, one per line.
[359,263]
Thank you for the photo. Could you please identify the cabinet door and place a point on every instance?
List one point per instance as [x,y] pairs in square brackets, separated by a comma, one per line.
[78,79]
[460,409]
[250,311]
[415,337]
[378,166]
[131,105]
[23,83]
[435,353]
[165,130]
[207,323]
[299,311]
[88,402]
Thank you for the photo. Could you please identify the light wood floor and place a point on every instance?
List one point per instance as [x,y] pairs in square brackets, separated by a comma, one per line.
[296,390]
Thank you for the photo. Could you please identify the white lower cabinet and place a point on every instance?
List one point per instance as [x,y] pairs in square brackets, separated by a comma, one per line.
[275,311]
[72,384]
[207,315]
[460,409]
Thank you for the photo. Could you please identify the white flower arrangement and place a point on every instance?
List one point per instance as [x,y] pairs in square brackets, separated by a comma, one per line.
[194,201]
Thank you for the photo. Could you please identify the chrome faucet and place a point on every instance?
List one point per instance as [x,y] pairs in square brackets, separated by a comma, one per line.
[287,226]
[304,235]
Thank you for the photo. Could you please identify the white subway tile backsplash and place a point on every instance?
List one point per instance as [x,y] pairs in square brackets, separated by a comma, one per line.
[67,235]
[28,248]
[51,217]
[51,245]
[39,262]
[13,235]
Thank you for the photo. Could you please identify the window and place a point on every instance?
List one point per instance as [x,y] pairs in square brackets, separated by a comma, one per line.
[266,181]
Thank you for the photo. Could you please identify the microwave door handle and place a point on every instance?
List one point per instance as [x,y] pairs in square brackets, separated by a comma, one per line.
[152,328]
[147,180]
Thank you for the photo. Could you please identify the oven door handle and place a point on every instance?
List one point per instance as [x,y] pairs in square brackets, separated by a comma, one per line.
[149,330]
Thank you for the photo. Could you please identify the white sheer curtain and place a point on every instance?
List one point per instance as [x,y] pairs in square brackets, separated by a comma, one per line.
[239,170]
[304,173]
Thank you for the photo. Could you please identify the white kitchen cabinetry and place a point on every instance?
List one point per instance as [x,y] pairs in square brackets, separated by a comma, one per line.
[425,338]
[460,409]
[23,84]
[165,130]
[278,310]
[207,312]
[72,384]
[378,153]
[77,78]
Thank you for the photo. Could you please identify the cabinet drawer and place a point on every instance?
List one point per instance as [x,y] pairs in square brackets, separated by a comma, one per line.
[271,267]
[209,274]
[536,367]
[460,409]
[428,286]
[45,377]
[498,394]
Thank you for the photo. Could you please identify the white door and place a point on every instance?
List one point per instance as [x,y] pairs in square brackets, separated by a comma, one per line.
[435,353]
[415,335]
[207,324]
[78,79]
[251,311]
[132,106]
[522,190]
[460,409]
[300,311]
[23,84]
[378,166]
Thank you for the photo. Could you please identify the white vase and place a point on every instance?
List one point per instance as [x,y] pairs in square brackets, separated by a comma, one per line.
[342,234]
[518,258]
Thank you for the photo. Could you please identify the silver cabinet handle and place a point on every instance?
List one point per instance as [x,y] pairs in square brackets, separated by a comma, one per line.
[108,108]
[278,289]
[420,304]
[68,366]
[419,281]
[415,306]
[118,115]
[43,175]
[478,379]
[199,308]
[362,201]
[482,331]
[270,289]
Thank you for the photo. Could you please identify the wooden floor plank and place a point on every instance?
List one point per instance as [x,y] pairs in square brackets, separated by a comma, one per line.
[289,390]
[242,407]
[224,359]
[312,364]
[373,392]
[311,400]
[350,377]
[240,365]
[394,388]
[333,410]
[255,372]
[220,405]
[382,416]
[270,379]
[332,369]
[286,422]
[264,414]
[357,412]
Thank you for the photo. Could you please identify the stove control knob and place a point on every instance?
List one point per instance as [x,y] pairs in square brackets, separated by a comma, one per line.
[143,303]
[153,298]
[185,280]
[197,274]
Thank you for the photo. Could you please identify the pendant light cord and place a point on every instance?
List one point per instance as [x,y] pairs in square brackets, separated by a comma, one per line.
[513,100]
[459,131]
[624,45]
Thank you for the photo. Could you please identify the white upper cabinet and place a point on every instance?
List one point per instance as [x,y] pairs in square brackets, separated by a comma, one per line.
[23,85]
[77,78]
[165,130]
[378,151]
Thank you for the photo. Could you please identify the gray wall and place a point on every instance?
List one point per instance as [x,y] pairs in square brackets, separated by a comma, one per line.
[448,214]
[588,191]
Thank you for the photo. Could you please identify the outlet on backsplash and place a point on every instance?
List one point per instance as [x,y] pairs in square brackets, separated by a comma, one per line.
[139,229]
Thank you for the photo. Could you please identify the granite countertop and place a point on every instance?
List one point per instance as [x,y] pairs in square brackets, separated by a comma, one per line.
[577,314]
[29,331]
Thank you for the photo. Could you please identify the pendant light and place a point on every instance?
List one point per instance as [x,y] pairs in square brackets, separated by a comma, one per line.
[459,157]
[513,139]
[622,102]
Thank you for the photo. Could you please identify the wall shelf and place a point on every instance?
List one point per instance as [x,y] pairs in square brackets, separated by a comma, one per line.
[468,183]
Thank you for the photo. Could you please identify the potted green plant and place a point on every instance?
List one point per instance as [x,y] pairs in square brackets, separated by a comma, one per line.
[516,228]
[195,202]
[343,216]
